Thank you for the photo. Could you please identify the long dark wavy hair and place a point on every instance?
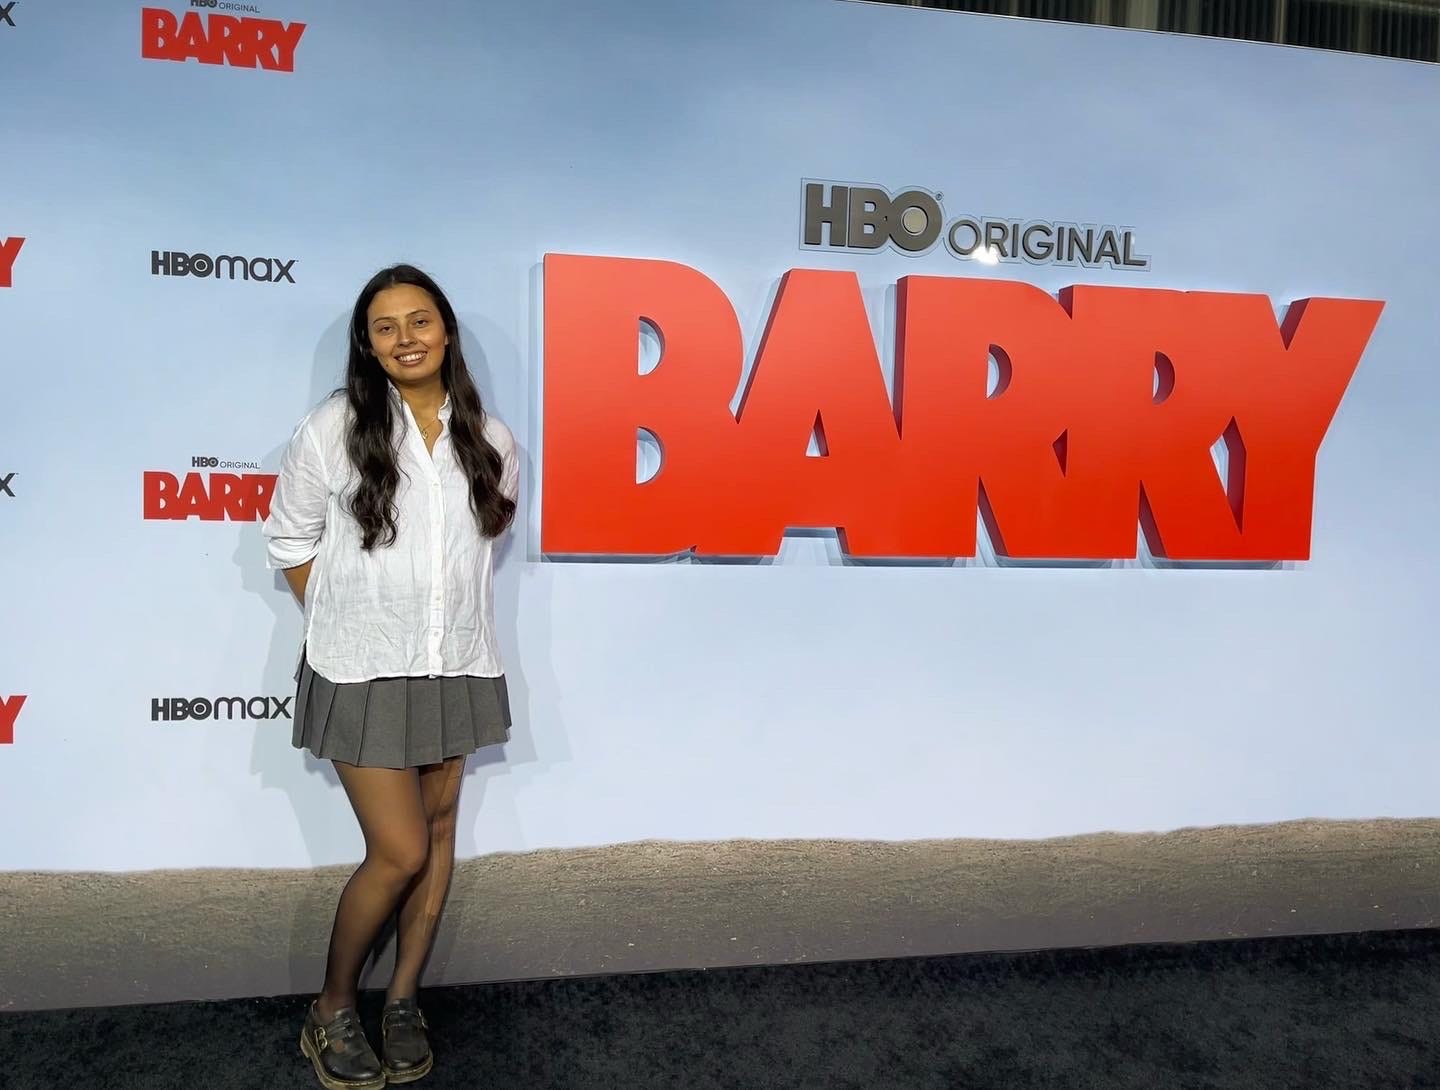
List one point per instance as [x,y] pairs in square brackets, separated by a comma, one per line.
[372,440]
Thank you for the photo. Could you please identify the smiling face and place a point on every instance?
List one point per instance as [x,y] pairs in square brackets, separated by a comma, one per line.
[407,334]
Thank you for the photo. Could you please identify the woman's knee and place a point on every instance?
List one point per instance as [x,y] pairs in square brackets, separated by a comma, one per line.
[404,855]
[442,805]
[443,823]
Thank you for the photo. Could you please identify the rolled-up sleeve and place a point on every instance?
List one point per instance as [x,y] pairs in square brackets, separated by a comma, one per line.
[297,511]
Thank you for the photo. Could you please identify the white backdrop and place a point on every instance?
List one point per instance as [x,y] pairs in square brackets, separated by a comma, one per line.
[688,700]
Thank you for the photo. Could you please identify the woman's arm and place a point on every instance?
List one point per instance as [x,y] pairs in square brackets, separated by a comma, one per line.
[296,522]
[298,577]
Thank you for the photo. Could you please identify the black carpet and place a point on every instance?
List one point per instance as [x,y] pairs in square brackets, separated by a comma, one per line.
[1354,1011]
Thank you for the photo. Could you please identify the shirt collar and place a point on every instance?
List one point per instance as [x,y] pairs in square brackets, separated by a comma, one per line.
[399,402]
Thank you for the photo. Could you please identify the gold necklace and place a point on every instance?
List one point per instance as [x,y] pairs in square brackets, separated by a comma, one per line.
[425,430]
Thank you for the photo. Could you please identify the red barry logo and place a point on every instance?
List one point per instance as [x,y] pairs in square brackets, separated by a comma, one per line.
[211,497]
[219,39]
[9,711]
[1108,404]
[9,251]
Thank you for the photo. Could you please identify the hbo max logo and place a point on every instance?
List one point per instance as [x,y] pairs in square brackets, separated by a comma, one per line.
[176,709]
[265,270]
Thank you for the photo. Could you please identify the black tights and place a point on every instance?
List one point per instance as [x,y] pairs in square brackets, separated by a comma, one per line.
[408,819]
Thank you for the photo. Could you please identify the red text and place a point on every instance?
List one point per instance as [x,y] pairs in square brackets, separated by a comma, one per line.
[9,251]
[219,39]
[9,711]
[212,497]
[1107,407]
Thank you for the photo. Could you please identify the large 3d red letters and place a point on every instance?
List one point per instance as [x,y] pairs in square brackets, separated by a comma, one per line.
[1072,450]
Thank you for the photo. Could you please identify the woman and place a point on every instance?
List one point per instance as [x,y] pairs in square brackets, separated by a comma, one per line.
[390,497]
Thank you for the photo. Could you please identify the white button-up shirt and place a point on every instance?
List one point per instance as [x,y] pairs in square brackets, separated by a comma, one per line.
[423,606]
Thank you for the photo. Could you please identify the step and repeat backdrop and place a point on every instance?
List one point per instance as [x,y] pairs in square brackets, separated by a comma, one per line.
[932,426]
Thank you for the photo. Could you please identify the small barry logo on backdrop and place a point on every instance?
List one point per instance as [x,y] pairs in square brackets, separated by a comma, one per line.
[9,712]
[7,485]
[225,496]
[177,709]
[9,251]
[262,270]
[214,37]
[7,12]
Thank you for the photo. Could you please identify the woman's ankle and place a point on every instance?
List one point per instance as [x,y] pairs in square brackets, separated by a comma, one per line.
[326,1009]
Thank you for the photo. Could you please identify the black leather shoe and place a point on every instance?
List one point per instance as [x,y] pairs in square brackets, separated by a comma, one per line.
[342,1057]
[403,1042]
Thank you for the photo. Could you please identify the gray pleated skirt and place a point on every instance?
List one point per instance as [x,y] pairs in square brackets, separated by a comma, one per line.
[398,722]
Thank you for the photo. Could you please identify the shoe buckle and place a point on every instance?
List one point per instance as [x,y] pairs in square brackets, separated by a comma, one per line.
[321,1039]
[403,1016]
